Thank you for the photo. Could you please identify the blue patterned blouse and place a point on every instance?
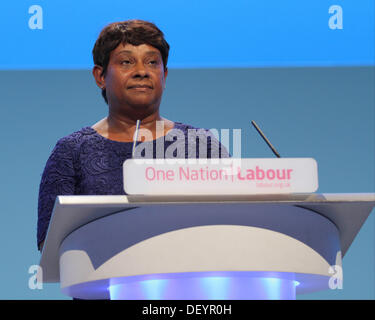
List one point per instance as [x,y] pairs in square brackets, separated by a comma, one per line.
[86,163]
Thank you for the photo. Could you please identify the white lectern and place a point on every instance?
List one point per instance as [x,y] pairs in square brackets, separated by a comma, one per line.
[200,247]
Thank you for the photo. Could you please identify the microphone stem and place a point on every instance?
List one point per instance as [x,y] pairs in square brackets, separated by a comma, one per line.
[265,139]
[135,137]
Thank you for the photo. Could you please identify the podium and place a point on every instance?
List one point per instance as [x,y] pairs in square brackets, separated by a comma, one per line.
[200,247]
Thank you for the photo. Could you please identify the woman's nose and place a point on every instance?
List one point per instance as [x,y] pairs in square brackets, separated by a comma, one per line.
[140,70]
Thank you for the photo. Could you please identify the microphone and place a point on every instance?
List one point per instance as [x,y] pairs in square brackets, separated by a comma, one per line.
[135,136]
[265,139]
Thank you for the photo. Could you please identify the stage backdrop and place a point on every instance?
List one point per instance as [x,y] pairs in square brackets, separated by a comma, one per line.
[303,70]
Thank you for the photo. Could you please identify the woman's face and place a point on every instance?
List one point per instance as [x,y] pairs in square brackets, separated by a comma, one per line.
[135,78]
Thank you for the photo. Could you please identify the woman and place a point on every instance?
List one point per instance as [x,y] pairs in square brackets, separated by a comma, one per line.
[130,60]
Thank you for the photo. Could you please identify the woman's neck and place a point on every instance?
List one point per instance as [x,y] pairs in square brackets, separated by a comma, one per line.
[122,128]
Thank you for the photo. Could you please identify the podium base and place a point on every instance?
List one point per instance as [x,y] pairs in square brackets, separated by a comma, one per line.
[206,286]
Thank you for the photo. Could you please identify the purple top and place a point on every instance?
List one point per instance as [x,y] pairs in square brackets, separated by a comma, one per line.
[86,163]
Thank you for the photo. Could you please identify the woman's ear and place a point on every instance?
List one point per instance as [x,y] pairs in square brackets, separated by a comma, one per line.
[99,78]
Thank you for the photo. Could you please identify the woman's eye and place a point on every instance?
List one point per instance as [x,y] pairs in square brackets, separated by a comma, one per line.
[126,62]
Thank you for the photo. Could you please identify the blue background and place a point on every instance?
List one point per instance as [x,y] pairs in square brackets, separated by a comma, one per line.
[241,33]
[310,88]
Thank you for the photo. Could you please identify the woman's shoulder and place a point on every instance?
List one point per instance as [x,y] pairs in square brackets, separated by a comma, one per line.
[76,138]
